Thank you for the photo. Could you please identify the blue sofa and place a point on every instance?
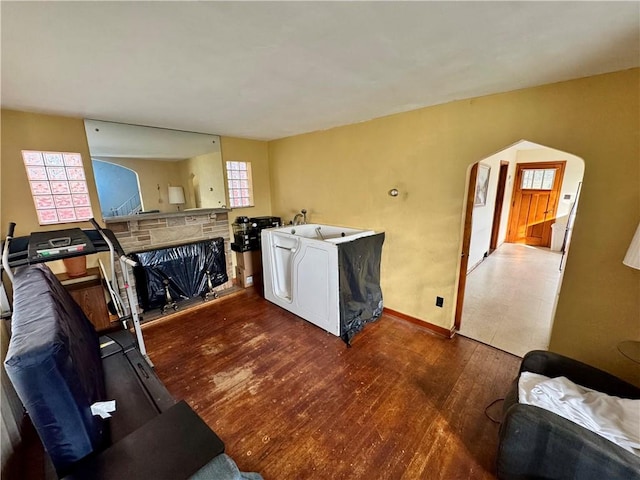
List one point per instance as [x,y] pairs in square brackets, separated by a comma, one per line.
[60,367]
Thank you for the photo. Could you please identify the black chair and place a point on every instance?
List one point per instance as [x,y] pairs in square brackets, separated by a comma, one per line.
[538,444]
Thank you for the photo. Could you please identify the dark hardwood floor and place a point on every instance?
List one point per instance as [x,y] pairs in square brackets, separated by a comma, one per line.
[293,402]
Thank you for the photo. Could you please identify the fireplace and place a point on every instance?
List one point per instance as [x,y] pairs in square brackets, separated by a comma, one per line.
[166,276]
[138,233]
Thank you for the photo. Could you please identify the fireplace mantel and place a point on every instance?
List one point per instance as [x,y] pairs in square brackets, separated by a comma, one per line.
[159,230]
[182,213]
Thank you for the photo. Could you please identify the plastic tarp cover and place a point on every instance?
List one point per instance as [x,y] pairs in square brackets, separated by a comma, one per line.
[183,266]
[360,292]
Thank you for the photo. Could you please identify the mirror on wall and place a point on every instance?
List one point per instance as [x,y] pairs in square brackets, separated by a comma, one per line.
[140,169]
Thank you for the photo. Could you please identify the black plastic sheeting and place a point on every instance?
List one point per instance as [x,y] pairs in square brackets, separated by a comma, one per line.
[360,292]
[184,266]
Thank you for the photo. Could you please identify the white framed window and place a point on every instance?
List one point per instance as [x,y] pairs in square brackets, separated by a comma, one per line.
[58,186]
[240,184]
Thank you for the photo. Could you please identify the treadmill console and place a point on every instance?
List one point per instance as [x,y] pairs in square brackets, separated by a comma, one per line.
[58,244]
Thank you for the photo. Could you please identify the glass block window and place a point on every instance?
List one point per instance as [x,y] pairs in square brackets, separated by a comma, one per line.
[239,184]
[538,179]
[58,186]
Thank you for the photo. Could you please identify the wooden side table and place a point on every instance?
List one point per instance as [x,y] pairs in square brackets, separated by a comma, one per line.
[88,292]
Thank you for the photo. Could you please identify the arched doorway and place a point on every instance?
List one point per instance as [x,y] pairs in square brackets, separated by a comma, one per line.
[509,282]
[118,189]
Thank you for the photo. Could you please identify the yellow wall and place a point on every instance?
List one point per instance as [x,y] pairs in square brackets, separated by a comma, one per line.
[207,170]
[342,177]
[31,131]
[256,152]
[22,130]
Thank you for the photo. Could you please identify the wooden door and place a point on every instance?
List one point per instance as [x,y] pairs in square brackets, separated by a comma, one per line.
[534,204]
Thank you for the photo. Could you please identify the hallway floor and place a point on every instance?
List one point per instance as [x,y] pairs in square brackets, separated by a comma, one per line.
[509,298]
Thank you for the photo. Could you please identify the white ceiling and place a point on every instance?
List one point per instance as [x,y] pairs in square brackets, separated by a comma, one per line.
[267,70]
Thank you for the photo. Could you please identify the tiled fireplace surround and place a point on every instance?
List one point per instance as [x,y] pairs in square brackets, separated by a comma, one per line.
[160,230]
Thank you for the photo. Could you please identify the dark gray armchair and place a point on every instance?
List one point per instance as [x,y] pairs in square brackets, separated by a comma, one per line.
[538,444]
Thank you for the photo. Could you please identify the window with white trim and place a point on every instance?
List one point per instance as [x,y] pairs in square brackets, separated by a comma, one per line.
[239,184]
[538,179]
[58,186]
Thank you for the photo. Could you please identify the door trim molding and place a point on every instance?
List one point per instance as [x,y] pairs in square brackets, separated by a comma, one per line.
[466,243]
[501,191]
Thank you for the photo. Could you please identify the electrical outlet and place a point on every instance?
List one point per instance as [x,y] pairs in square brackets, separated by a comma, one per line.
[439,301]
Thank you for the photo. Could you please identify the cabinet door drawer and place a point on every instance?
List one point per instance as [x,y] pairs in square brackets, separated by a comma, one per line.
[90,296]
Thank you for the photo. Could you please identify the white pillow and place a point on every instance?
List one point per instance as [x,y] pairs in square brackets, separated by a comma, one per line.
[616,419]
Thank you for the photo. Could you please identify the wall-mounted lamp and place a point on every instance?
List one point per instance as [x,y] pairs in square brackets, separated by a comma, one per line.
[393,192]
[176,196]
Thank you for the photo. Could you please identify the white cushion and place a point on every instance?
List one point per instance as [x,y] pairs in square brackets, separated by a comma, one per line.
[616,419]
